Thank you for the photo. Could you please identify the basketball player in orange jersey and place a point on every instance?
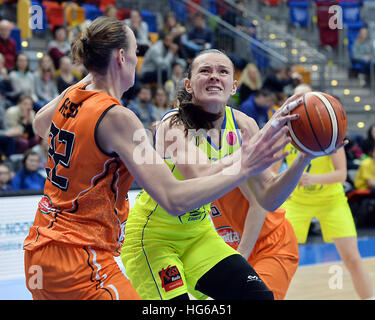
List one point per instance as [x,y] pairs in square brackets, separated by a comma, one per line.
[265,239]
[79,223]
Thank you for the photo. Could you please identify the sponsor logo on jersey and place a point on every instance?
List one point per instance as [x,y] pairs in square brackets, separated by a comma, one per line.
[229,235]
[45,205]
[215,212]
[195,215]
[231,138]
[170,278]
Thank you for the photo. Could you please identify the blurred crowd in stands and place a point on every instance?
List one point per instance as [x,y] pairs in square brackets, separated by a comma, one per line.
[164,57]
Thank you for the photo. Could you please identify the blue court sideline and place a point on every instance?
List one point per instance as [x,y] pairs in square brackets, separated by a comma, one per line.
[326,252]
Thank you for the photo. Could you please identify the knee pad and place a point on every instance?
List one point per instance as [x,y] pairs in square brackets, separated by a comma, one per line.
[234,279]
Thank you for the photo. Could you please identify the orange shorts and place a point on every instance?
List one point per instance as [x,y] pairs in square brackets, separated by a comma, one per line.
[60,272]
[275,258]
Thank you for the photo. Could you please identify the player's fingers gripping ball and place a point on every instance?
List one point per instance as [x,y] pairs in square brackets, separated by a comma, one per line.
[321,126]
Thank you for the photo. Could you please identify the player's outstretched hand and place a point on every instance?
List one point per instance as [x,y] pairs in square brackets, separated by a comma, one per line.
[282,115]
[263,149]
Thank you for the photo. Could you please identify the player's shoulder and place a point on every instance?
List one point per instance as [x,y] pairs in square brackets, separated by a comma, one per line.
[168,121]
[118,112]
[244,121]
[119,118]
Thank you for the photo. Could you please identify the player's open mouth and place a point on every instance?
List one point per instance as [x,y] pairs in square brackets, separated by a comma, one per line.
[213,89]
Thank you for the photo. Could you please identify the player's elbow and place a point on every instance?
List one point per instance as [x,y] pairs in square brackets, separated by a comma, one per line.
[173,207]
[268,204]
[171,202]
[270,207]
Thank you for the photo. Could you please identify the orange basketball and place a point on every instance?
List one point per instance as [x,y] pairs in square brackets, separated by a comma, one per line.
[321,126]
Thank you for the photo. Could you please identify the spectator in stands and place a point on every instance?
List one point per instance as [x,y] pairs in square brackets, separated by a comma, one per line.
[354,154]
[45,85]
[161,102]
[42,150]
[111,11]
[282,77]
[199,38]
[66,77]
[21,117]
[28,178]
[7,44]
[368,144]
[363,51]
[249,82]
[238,19]
[21,80]
[5,85]
[160,58]
[257,106]
[140,29]
[144,109]
[175,80]
[5,178]
[7,135]
[59,46]
[175,29]
[365,178]
[302,88]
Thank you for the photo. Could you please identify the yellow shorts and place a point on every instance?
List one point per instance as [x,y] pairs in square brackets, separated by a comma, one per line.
[333,213]
[165,261]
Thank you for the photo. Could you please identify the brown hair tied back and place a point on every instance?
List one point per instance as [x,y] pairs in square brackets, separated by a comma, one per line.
[98,40]
[190,115]
[84,42]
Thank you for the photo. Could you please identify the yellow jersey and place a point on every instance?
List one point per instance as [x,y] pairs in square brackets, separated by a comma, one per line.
[230,142]
[320,165]
[366,171]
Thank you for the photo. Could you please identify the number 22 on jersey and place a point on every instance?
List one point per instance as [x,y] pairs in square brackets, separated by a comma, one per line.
[58,137]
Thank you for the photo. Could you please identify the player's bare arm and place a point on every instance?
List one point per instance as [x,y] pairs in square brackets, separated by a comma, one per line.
[253,223]
[337,176]
[114,136]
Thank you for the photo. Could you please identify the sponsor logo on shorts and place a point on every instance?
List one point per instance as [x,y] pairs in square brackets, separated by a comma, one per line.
[170,278]
[195,215]
[229,235]
[252,278]
[45,205]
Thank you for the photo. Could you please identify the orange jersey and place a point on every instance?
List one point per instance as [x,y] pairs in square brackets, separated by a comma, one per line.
[229,215]
[275,253]
[85,199]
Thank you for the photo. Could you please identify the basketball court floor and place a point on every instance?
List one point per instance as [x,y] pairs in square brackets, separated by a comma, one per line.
[320,275]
